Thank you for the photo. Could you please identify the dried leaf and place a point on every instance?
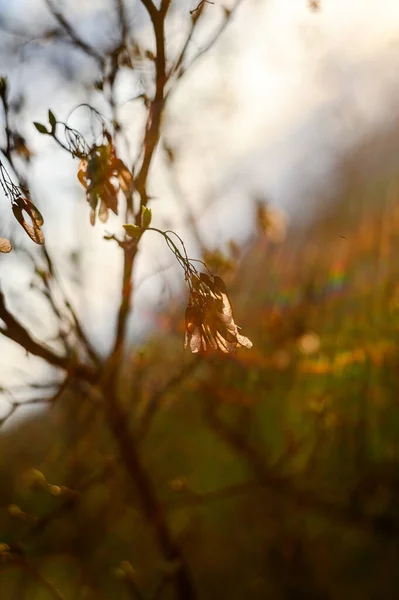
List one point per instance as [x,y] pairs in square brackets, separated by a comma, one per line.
[92,217]
[23,205]
[124,176]
[110,197]
[103,212]
[5,245]
[35,233]
[82,172]
[34,213]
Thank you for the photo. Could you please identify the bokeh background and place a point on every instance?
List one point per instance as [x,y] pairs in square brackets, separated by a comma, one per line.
[277,468]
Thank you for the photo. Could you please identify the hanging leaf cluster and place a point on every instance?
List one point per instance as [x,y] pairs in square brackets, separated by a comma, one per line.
[209,318]
[103,174]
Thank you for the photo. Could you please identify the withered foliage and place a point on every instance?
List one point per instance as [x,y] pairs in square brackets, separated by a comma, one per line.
[103,174]
[22,206]
[210,325]
[5,245]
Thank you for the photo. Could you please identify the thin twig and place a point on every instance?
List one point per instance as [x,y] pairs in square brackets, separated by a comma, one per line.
[150,503]
[156,399]
[19,561]
[17,332]
[384,526]
[67,27]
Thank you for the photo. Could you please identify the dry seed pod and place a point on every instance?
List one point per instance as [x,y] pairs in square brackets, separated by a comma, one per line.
[34,232]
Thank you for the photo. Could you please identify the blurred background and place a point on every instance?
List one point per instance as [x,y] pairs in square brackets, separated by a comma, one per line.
[277,468]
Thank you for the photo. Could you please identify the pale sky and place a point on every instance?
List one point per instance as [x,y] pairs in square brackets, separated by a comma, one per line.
[267,112]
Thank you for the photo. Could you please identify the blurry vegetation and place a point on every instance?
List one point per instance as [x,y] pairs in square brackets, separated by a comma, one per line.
[266,473]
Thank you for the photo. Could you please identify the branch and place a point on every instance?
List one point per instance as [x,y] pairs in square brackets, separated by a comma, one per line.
[126,302]
[151,139]
[150,503]
[91,351]
[179,68]
[152,134]
[237,441]
[17,333]
[385,527]
[62,21]
[154,402]
[21,562]
[62,509]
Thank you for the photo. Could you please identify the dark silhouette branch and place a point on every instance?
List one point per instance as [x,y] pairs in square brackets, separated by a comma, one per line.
[81,335]
[151,505]
[180,68]
[17,333]
[153,125]
[15,560]
[386,527]
[151,139]
[75,38]
[156,399]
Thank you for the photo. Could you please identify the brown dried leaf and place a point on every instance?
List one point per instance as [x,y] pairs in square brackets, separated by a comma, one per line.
[5,245]
[124,176]
[209,318]
[82,172]
[110,196]
[35,233]
[33,212]
[103,212]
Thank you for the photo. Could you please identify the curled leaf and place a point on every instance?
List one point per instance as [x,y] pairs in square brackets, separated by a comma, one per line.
[82,172]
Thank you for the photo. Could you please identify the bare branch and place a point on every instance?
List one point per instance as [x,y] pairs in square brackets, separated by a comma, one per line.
[38,577]
[152,134]
[76,322]
[156,399]
[150,503]
[69,30]
[150,143]
[306,499]
[17,333]
[180,69]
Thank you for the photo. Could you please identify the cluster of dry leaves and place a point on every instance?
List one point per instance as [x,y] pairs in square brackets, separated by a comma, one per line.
[209,317]
[103,174]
